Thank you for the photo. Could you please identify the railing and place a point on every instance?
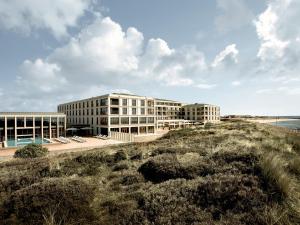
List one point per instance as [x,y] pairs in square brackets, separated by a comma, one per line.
[122,136]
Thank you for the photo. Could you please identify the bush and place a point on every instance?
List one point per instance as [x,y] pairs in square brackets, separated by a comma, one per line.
[165,167]
[31,151]
[63,201]
[120,155]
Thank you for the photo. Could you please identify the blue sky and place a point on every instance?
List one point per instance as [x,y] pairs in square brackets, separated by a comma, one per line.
[241,55]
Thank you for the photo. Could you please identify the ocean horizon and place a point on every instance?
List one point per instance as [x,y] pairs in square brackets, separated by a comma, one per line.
[291,124]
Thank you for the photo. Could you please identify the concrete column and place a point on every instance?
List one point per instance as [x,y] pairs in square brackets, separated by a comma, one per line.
[16,128]
[42,127]
[50,131]
[5,128]
[33,132]
[57,126]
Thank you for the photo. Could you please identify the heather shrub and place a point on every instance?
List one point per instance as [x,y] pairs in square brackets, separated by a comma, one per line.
[120,155]
[31,151]
[66,201]
[161,168]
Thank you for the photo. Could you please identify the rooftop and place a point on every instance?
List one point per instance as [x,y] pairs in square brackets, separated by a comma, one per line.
[31,114]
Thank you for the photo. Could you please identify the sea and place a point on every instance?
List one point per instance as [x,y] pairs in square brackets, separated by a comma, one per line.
[291,124]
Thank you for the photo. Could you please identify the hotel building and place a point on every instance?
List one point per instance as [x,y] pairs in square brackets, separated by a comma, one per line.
[33,127]
[134,114]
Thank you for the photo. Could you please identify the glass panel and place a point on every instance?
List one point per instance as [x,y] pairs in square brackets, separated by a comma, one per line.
[46,121]
[20,122]
[29,122]
[10,122]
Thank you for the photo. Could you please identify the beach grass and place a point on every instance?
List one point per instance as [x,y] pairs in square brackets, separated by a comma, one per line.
[235,172]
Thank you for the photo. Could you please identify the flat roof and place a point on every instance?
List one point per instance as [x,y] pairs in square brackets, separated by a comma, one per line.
[106,95]
[31,114]
[200,104]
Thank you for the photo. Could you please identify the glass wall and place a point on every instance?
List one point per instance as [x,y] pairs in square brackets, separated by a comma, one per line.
[29,121]
[20,122]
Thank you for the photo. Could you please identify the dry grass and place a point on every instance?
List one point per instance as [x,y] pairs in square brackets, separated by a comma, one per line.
[232,173]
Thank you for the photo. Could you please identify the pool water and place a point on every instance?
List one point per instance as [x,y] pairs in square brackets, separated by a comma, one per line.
[26,141]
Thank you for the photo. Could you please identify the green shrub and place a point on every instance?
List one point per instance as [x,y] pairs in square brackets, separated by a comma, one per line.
[63,201]
[31,151]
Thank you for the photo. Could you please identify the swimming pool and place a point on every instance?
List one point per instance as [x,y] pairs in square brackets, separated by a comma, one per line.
[26,141]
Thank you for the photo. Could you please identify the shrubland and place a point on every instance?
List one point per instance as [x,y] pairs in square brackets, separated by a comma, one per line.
[233,173]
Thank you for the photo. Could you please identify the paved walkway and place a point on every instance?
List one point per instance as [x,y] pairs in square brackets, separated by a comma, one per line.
[58,148]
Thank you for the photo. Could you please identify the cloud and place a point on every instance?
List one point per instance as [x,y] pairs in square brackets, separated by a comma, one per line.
[235,14]
[236,83]
[104,57]
[41,76]
[206,86]
[266,28]
[54,15]
[226,57]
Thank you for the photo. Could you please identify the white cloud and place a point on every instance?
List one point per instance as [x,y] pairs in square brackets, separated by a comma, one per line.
[103,57]
[236,83]
[266,28]
[54,15]
[206,86]
[235,14]
[41,76]
[227,56]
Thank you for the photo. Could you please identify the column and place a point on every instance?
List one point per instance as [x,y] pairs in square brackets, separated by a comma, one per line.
[50,128]
[42,127]
[5,128]
[16,128]
[33,122]
[57,126]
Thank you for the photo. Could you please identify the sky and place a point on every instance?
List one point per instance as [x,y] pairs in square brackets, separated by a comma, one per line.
[239,54]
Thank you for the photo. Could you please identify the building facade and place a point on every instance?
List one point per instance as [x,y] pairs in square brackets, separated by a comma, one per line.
[201,113]
[36,126]
[113,112]
[134,114]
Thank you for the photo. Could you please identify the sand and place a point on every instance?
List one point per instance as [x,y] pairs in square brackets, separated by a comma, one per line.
[267,120]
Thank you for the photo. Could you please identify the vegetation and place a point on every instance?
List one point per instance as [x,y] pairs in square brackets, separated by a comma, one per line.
[31,151]
[232,173]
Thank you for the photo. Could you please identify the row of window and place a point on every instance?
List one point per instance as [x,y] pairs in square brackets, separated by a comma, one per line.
[31,121]
[104,102]
[113,120]
[113,110]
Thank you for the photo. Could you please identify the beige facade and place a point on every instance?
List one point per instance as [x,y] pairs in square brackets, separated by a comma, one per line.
[201,113]
[133,114]
[18,126]
[113,112]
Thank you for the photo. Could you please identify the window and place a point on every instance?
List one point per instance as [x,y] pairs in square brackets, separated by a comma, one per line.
[125,120]
[114,111]
[103,121]
[150,103]
[114,101]
[124,102]
[134,120]
[29,122]
[114,120]
[103,111]
[124,111]
[20,122]
[103,102]
[133,111]
[151,111]
[133,102]
[143,120]
[142,111]
[142,102]
[150,119]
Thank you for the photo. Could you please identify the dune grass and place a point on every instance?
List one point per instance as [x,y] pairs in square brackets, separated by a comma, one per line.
[233,173]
